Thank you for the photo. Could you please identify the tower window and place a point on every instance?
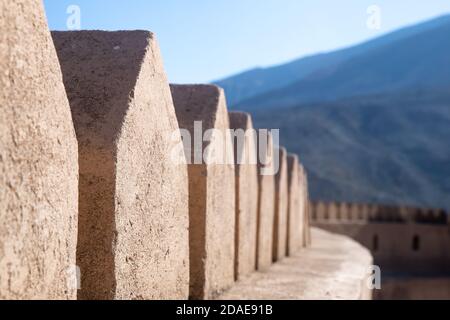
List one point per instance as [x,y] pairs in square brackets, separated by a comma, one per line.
[416,243]
[375,243]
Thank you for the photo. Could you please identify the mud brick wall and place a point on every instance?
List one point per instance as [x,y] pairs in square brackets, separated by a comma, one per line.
[266,202]
[281,207]
[38,161]
[295,213]
[133,205]
[246,192]
[211,187]
[115,185]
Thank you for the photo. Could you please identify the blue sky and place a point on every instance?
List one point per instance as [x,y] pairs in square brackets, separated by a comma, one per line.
[204,40]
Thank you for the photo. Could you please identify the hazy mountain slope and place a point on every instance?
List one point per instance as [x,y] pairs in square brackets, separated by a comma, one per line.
[387,149]
[419,61]
[371,123]
[259,81]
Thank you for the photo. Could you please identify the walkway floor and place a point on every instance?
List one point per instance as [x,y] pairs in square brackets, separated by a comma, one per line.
[335,267]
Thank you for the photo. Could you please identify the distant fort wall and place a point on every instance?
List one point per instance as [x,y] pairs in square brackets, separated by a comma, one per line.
[400,238]
[411,245]
[374,213]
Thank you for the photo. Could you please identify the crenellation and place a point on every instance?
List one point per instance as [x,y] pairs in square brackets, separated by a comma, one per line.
[313,210]
[431,216]
[130,188]
[281,206]
[334,213]
[403,239]
[266,203]
[375,213]
[306,208]
[126,249]
[246,174]
[296,210]
[345,211]
[38,161]
[212,185]
[353,210]
[363,212]
[318,211]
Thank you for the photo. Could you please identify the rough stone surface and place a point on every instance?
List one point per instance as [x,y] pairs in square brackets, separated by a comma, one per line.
[281,207]
[246,173]
[266,205]
[38,161]
[211,189]
[334,268]
[305,206]
[133,220]
[295,207]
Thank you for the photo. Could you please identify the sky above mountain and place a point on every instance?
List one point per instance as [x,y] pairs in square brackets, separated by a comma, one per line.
[205,40]
[370,123]
[414,57]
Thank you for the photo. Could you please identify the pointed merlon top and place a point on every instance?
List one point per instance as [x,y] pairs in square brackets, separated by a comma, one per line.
[240,120]
[101,70]
[197,102]
[292,161]
[293,165]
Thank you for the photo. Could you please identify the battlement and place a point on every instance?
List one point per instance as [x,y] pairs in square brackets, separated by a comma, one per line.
[375,213]
[403,240]
[100,197]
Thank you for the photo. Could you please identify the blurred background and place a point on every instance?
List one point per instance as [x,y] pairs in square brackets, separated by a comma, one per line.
[359,89]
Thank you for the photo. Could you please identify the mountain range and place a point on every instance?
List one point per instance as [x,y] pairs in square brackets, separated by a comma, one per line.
[370,122]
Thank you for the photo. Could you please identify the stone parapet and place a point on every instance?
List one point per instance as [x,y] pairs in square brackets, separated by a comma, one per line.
[202,114]
[281,207]
[133,205]
[38,161]
[246,173]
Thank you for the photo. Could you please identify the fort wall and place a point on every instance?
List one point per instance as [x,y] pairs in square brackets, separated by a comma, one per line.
[107,193]
[211,190]
[411,245]
[281,207]
[133,216]
[38,161]
[295,207]
[266,204]
[246,193]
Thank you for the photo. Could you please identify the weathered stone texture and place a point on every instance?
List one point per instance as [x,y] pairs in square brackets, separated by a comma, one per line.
[266,204]
[305,207]
[211,189]
[38,161]
[133,223]
[295,207]
[281,207]
[246,172]
[333,212]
